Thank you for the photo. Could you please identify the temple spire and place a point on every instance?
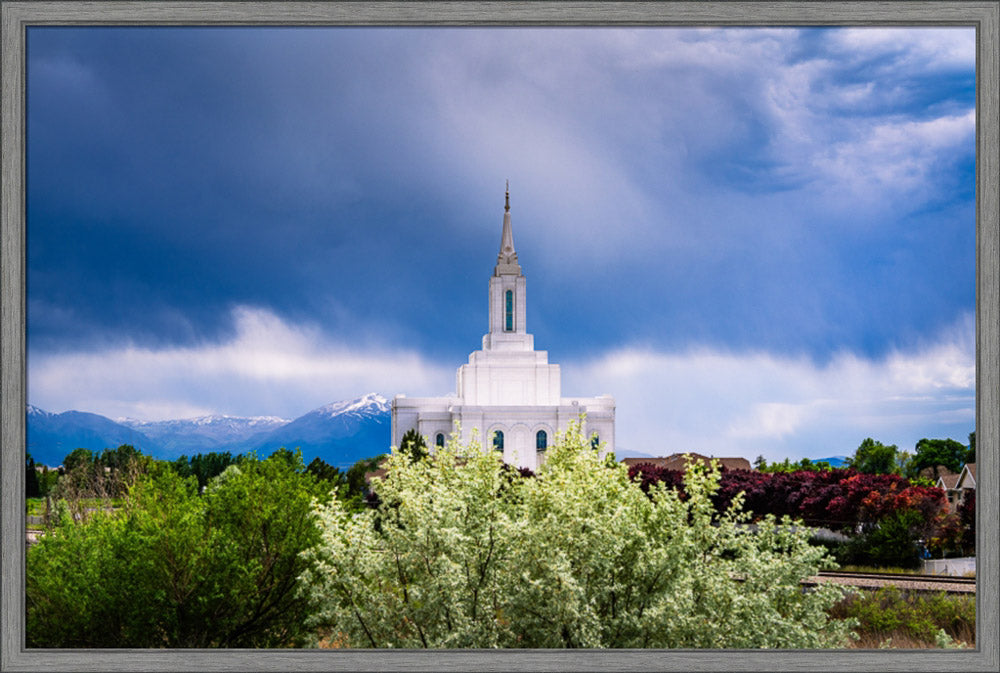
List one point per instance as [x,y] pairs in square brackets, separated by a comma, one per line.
[507,259]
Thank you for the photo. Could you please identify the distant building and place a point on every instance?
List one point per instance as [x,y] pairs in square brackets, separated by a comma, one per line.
[966,481]
[678,461]
[949,484]
[508,391]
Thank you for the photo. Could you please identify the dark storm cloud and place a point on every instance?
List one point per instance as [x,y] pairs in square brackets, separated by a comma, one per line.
[789,190]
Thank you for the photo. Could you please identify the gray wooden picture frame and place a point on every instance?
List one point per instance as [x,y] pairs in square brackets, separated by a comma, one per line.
[17,16]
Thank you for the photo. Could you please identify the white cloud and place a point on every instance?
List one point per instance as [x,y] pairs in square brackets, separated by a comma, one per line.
[926,47]
[268,368]
[750,404]
[897,156]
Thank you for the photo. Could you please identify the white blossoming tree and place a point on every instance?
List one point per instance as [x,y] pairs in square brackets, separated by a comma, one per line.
[462,552]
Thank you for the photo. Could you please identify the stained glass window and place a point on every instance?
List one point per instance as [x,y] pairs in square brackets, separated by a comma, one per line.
[498,440]
[509,312]
[439,440]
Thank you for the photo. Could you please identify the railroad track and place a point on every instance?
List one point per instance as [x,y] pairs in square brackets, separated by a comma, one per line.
[874,580]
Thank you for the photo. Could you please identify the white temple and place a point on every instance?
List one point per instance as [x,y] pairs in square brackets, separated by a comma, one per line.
[508,392]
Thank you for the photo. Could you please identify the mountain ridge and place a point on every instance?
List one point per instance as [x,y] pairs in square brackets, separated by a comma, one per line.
[340,433]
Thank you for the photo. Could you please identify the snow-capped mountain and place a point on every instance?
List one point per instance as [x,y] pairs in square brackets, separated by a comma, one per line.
[198,435]
[367,406]
[341,433]
[35,411]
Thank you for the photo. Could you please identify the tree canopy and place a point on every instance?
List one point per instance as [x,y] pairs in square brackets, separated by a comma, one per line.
[177,569]
[873,457]
[932,453]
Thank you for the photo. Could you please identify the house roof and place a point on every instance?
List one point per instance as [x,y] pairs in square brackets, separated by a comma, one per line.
[967,479]
[948,481]
[677,461]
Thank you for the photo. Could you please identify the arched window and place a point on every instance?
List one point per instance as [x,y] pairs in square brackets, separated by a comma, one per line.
[541,440]
[509,312]
[595,441]
[498,440]
[439,440]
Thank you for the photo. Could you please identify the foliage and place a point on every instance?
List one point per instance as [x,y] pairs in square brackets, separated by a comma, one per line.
[413,445]
[78,458]
[203,466]
[357,494]
[786,465]
[320,469]
[47,480]
[839,499]
[91,482]
[177,569]
[32,489]
[892,543]
[970,455]
[932,453]
[873,457]
[34,506]
[889,514]
[890,613]
[967,516]
[463,553]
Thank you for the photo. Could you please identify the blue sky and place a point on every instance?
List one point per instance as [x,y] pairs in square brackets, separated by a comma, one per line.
[760,241]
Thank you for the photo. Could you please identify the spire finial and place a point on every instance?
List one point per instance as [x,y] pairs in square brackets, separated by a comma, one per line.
[506,205]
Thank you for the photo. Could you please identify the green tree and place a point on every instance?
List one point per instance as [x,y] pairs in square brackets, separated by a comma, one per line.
[873,457]
[970,455]
[892,543]
[464,553]
[320,469]
[174,568]
[357,486]
[935,453]
[47,480]
[413,444]
[31,486]
[119,468]
[204,466]
[78,458]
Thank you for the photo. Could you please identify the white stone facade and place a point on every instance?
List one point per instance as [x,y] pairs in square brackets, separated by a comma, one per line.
[508,393]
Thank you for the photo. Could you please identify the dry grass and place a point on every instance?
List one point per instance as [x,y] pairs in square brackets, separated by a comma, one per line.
[900,639]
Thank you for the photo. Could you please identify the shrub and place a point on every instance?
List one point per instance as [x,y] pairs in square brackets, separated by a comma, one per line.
[175,569]
[458,553]
[918,618]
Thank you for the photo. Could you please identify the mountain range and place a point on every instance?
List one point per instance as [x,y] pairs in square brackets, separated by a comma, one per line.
[340,433]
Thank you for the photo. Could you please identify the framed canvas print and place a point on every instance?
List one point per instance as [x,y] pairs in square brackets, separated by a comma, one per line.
[498,335]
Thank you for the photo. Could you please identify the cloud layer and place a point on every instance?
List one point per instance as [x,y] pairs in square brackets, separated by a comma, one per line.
[723,176]
[776,406]
[269,367]
[703,400]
